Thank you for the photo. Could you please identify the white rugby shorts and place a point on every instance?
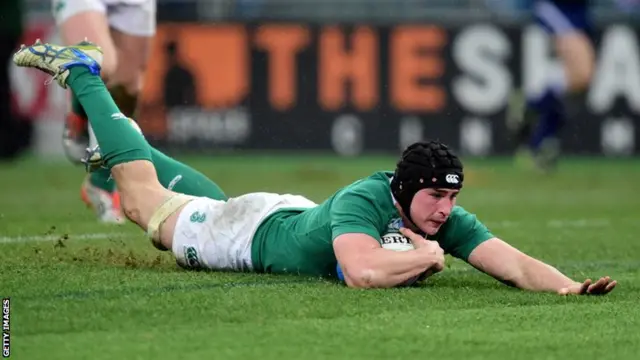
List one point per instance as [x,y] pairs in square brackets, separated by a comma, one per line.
[217,235]
[132,17]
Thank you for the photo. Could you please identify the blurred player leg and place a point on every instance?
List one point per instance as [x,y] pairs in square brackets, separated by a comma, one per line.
[124,31]
[567,23]
[77,20]
[123,149]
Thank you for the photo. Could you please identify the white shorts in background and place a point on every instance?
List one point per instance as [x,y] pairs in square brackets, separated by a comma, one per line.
[217,235]
[132,17]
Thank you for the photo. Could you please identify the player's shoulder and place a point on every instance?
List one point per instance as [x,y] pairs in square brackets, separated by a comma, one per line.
[366,204]
[372,191]
[460,220]
[462,233]
[375,185]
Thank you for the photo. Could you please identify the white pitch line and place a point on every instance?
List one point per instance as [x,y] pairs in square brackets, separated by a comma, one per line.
[580,223]
[38,238]
[567,223]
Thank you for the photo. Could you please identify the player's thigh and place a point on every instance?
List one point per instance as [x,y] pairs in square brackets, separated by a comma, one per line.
[78,20]
[569,26]
[218,235]
[133,54]
[213,234]
[578,56]
[132,29]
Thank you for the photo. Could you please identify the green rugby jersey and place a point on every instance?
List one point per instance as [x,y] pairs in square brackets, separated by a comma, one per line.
[300,241]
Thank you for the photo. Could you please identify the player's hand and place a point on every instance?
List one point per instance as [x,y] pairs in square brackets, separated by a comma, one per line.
[420,242]
[600,287]
[431,247]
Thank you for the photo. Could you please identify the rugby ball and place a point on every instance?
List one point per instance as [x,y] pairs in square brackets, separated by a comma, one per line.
[395,242]
[399,242]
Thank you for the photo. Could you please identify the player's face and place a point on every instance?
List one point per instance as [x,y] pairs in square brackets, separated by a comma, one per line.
[431,208]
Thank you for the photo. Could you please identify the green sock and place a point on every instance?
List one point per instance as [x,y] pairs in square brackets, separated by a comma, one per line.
[183,179]
[172,174]
[127,103]
[101,179]
[119,142]
[76,107]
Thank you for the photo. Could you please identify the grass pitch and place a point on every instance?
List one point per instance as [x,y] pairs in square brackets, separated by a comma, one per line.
[81,290]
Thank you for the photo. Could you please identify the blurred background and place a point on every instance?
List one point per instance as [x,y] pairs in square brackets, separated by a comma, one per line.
[347,77]
[304,97]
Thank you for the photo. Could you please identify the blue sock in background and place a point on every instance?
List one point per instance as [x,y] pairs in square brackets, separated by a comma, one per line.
[551,114]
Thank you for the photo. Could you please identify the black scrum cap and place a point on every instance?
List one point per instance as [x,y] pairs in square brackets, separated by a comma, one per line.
[425,165]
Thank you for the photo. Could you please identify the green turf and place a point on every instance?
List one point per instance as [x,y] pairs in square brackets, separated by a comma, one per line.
[119,298]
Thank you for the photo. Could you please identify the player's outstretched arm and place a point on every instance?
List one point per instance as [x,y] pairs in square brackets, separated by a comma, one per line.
[511,266]
[365,264]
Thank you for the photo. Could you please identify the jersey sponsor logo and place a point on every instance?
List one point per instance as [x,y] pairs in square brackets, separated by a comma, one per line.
[198,217]
[191,256]
[395,225]
[452,178]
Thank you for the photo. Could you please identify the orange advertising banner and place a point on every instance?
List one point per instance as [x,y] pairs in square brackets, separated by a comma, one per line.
[360,87]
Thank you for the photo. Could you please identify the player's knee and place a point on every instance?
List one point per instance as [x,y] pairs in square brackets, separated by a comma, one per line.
[139,201]
[579,59]
[132,66]
[130,78]
[134,85]
[579,75]
[140,191]
[109,65]
[131,209]
[582,76]
[131,202]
